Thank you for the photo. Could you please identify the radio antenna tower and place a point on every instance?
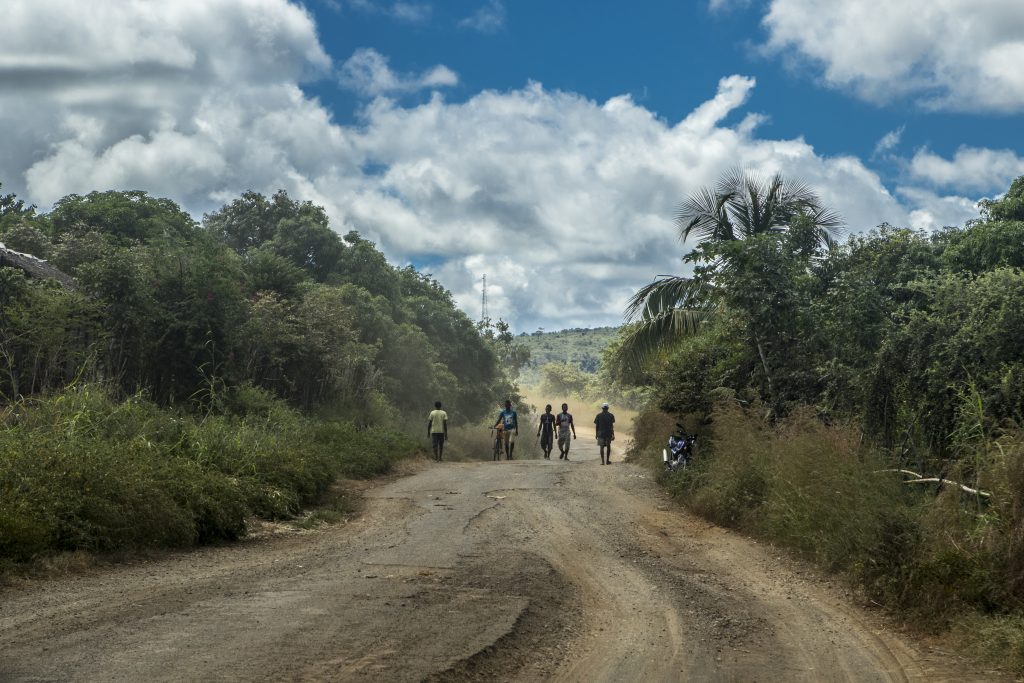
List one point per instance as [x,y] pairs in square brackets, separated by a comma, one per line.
[483,301]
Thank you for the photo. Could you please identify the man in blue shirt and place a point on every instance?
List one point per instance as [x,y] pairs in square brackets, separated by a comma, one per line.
[510,421]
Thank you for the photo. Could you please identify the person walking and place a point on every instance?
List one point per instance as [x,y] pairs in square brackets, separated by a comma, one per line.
[546,431]
[605,428]
[565,425]
[437,430]
[510,422]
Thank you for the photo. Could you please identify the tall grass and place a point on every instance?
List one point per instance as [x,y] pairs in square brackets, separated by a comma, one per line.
[946,560]
[475,441]
[81,471]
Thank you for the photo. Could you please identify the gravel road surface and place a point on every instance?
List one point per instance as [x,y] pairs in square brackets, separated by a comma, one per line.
[524,570]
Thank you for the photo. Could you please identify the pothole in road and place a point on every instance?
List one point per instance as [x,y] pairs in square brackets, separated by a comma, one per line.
[537,642]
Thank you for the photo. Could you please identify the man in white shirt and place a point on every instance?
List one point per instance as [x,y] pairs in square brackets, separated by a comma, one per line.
[437,430]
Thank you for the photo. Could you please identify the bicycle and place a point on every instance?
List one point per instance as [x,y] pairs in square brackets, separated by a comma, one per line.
[499,443]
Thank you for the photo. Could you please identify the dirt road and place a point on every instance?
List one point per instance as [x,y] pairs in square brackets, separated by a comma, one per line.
[528,570]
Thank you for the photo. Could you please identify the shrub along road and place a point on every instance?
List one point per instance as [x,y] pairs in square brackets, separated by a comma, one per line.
[529,570]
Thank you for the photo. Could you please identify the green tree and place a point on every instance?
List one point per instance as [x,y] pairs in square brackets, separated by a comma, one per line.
[362,264]
[270,342]
[266,271]
[264,295]
[983,246]
[1009,207]
[857,300]
[769,285]
[473,355]
[563,379]
[309,244]
[332,365]
[740,208]
[13,211]
[962,331]
[252,220]
[121,216]
[512,355]
[744,205]
[26,237]
[47,335]
[717,356]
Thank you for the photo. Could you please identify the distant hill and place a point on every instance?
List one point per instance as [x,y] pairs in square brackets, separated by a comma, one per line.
[579,346]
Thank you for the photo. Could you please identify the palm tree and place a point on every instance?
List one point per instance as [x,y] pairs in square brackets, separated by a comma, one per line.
[742,205]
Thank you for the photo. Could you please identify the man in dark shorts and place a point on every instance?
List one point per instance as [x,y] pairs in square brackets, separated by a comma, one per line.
[546,431]
[437,430]
[605,428]
[565,424]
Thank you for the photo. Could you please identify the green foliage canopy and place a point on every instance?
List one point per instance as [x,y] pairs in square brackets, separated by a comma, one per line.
[262,294]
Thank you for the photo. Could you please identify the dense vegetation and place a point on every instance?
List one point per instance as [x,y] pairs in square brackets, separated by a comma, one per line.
[579,347]
[816,371]
[83,471]
[200,372]
[578,363]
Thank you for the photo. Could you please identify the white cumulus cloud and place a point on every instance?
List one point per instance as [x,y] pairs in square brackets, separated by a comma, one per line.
[722,6]
[933,211]
[411,12]
[961,55]
[971,169]
[367,72]
[565,202]
[488,18]
[81,51]
[888,142]
[186,99]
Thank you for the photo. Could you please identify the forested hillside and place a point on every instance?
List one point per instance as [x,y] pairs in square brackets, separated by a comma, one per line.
[193,373]
[579,347]
[861,402]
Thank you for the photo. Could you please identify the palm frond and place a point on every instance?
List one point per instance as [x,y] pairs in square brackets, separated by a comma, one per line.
[662,312]
[797,193]
[666,293]
[703,214]
[828,220]
[828,226]
[758,215]
[732,181]
[652,335]
[775,202]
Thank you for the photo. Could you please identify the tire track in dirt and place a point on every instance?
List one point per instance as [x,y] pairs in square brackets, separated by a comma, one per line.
[667,596]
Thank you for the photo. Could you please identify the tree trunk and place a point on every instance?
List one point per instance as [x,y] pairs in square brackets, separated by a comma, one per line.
[767,374]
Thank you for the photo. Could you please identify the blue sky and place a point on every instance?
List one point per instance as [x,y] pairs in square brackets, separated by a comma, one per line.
[545,144]
[668,55]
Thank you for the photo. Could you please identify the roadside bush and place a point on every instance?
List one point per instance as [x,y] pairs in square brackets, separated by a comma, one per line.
[801,483]
[651,429]
[998,639]
[940,558]
[470,441]
[81,471]
[361,454]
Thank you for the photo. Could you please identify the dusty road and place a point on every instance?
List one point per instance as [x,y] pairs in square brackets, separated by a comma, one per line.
[532,570]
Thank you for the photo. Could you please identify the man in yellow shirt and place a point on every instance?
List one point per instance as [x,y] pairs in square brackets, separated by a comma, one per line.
[437,430]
